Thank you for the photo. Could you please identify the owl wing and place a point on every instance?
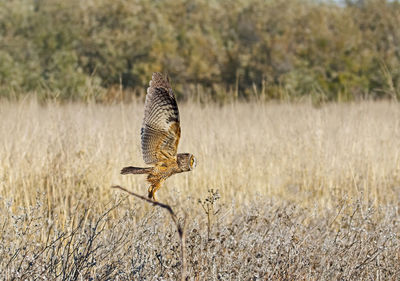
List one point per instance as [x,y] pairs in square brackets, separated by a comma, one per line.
[161,129]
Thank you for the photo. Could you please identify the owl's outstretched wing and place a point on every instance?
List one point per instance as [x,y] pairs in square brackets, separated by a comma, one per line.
[161,129]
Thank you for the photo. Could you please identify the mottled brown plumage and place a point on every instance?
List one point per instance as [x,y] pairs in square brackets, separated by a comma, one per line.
[160,135]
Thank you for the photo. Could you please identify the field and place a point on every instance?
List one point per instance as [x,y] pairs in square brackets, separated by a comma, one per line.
[281,192]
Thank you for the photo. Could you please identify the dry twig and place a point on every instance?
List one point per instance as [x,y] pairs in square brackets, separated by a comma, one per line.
[180,228]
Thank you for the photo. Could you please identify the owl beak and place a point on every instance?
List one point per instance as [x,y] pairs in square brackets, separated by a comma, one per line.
[194,163]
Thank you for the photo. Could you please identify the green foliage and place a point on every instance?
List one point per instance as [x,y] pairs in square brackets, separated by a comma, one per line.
[276,49]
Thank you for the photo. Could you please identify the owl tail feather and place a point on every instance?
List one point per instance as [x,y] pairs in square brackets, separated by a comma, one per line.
[135,170]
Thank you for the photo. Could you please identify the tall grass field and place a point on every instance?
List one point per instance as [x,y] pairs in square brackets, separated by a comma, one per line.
[281,192]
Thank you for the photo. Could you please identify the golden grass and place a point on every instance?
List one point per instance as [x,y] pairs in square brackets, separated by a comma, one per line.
[249,152]
[306,193]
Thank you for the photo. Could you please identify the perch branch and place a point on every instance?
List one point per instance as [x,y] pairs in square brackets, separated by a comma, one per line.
[180,228]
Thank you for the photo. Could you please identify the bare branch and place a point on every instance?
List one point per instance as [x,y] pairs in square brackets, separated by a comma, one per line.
[179,227]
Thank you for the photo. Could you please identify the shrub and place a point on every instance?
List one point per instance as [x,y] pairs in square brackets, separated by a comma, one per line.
[271,49]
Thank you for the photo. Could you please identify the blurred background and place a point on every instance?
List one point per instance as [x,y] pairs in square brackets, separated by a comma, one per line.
[106,50]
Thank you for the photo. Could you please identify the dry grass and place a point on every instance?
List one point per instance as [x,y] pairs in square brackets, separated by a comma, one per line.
[306,193]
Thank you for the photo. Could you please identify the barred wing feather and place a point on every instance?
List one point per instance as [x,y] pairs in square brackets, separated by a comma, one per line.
[161,128]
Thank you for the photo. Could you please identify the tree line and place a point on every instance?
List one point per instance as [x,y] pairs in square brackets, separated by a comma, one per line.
[214,50]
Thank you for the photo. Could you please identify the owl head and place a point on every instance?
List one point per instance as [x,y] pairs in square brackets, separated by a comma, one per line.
[186,161]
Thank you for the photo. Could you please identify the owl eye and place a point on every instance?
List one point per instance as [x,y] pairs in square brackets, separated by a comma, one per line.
[191,161]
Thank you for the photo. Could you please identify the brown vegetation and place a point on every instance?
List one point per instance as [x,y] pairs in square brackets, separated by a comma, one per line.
[304,193]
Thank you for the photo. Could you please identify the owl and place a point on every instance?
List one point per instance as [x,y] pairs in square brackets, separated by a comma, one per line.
[160,134]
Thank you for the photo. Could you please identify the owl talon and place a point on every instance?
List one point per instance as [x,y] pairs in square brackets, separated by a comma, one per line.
[151,194]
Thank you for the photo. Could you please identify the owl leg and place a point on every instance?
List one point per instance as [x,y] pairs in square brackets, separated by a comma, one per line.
[153,189]
[151,194]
